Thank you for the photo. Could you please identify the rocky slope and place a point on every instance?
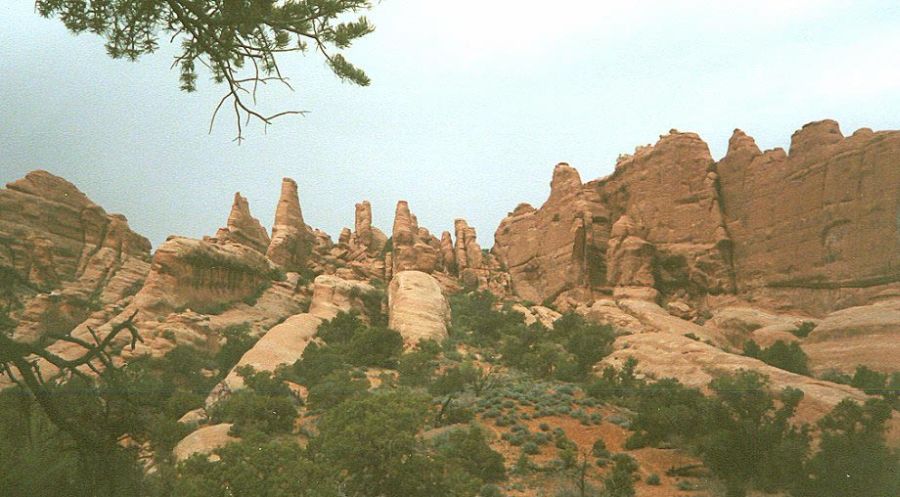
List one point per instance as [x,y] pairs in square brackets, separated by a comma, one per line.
[687,257]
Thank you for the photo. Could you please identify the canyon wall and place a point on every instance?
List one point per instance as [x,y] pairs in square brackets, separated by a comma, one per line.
[816,229]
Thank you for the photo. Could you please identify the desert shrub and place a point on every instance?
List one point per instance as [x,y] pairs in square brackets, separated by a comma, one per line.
[237,342]
[804,329]
[853,459]
[475,321]
[665,410]
[619,482]
[869,381]
[317,363]
[490,490]
[256,467]
[653,479]
[266,405]
[375,346]
[373,440]
[786,356]
[416,368]
[469,450]
[341,329]
[599,448]
[335,388]
[749,440]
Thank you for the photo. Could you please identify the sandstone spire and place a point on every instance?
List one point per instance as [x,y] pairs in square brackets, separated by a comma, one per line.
[448,256]
[364,234]
[404,230]
[468,252]
[414,248]
[292,240]
[243,228]
[288,212]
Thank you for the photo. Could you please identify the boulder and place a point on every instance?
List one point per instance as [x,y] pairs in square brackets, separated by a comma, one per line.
[282,345]
[417,308]
[198,274]
[537,314]
[738,323]
[654,318]
[332,295]
[768,335]
[695,364]
[864,335]
[606,312]
[203,441]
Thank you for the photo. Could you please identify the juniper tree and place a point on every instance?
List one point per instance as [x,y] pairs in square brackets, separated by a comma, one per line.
[238,41]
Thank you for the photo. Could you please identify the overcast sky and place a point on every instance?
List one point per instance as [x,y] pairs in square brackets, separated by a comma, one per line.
[472,103]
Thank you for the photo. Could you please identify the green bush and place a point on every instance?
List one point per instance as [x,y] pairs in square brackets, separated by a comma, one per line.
[786,356]
[469,450]
[599,448]
[266,405]
[335,388]
[653,479]
[853,459]
[375,346]
[237,342]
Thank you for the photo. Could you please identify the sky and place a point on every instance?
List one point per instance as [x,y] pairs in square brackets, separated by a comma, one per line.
[471,105]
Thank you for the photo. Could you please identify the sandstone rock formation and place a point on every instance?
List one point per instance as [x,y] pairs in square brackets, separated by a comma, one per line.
[695,364]
[467,252]
[285,342]
[414,248]
[864,335]
[243,228]
[198,274]
[781,230]
[417,308]
[740,323]
[537,314]
[332,295]
[606,312]
[654,318]
[814,228]
[364,234]
[292,240]
[552,249]
[203,441]
[630,259]
[62,256]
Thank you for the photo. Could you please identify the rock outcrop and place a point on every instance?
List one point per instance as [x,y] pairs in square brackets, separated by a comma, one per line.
[364,234]
[864,335]
[781,230]
[203,441]
[552,249]
[292,240]
[417,308]
[62,256]
[695,364]
[243,228]
[414,248]
[197,274]
[467,252]
[815,228]
[285,342]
